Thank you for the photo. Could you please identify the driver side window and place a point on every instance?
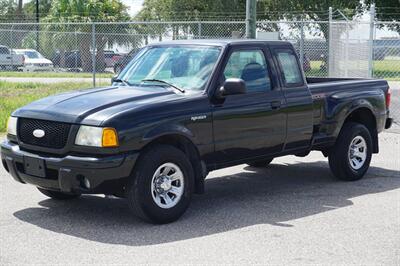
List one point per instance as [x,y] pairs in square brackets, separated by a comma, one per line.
[251,66]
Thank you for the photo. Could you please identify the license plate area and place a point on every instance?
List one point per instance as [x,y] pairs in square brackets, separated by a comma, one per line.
[34,166]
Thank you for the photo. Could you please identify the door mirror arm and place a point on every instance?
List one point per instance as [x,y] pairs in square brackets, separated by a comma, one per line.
[232,86]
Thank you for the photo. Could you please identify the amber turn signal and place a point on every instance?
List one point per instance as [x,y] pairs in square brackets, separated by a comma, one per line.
[110,137]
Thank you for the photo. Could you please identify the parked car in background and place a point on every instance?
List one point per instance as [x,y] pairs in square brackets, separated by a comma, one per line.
[124,60]
[111,57]
[73,60]
[10,60]
[34,61]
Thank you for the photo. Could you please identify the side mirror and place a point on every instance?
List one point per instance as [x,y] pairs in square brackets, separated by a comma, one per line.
[113,79]
[233,86]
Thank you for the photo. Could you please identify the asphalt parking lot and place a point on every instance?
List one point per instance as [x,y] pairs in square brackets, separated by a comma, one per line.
[293,212]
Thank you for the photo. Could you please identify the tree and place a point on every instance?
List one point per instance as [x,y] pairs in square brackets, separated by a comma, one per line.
[7,9]
[387,10]
[67,11]
[44,8]
[168,10]
[192,11]
[19,8]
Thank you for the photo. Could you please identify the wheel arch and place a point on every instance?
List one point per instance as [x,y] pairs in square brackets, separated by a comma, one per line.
[365,116]
[184,143]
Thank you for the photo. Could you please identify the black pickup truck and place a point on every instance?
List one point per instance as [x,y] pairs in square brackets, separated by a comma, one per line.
[181,109]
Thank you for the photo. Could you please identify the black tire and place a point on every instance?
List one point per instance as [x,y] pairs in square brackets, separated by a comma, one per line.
[58,195]
[339,161]
[139,192]
[262,163]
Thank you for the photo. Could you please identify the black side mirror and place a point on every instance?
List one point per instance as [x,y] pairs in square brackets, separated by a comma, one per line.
[233,86]
[113,79]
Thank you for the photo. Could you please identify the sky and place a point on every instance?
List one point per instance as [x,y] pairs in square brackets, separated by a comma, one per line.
[134,6]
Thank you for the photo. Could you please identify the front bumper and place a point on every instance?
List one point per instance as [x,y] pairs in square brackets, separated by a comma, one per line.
[105,174]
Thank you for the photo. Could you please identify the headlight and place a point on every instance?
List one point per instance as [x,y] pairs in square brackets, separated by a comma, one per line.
[12,126]
[97,137]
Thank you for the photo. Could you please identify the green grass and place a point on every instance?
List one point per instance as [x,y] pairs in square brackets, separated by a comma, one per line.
[388,69]
[316,70]
[14,95]
[16,74]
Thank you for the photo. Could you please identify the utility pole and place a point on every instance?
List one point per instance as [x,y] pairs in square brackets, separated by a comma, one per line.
[251,19]
[37,25]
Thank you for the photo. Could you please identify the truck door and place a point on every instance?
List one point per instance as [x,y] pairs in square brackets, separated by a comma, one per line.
[299,104]
[251,124]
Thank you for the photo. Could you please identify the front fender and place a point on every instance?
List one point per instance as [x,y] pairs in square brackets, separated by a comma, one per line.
[168,129]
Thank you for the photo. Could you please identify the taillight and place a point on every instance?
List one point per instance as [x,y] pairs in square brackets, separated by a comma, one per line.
[388,95]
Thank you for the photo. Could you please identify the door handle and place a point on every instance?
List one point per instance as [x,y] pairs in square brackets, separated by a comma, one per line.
[8,57]
[275,105]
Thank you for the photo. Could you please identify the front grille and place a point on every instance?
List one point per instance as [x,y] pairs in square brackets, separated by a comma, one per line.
[56,133]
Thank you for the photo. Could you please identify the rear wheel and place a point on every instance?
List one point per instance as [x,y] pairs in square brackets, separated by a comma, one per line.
[161,187]
[262,163]
[58,195]
[349,159]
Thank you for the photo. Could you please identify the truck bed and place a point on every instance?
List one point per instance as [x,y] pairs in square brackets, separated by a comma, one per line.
[335,84]
[329,93]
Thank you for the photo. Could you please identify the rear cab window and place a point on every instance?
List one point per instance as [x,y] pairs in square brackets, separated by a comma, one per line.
[291,74]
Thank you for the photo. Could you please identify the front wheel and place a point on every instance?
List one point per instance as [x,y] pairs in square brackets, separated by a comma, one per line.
[58,195]
[349,159]
[161,186]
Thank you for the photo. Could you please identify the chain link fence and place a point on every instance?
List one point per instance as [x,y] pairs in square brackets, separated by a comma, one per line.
[344,49]
[97,51]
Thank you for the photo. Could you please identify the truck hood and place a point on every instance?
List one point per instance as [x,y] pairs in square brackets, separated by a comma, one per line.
[74,107]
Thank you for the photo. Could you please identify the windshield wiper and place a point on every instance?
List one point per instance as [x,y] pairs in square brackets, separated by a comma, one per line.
[167,83]
[123,81]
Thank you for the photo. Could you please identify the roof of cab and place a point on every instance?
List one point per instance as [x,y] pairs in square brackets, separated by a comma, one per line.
[216,42]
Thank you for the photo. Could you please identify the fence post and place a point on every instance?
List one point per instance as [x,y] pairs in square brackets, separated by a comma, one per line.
[94,53]
[302,44]
[346,68]
[330,52]
[371,41]
[37,36]
[199,29]
[12,44]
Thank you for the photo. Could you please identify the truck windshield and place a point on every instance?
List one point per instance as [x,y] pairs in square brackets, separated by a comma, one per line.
[185,67]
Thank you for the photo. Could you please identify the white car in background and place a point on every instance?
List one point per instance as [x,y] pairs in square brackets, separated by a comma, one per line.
[34,61]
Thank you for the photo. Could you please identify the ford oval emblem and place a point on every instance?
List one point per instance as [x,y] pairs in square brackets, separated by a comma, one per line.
[38,133]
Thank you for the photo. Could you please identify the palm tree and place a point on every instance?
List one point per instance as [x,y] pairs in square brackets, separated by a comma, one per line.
[69,12]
